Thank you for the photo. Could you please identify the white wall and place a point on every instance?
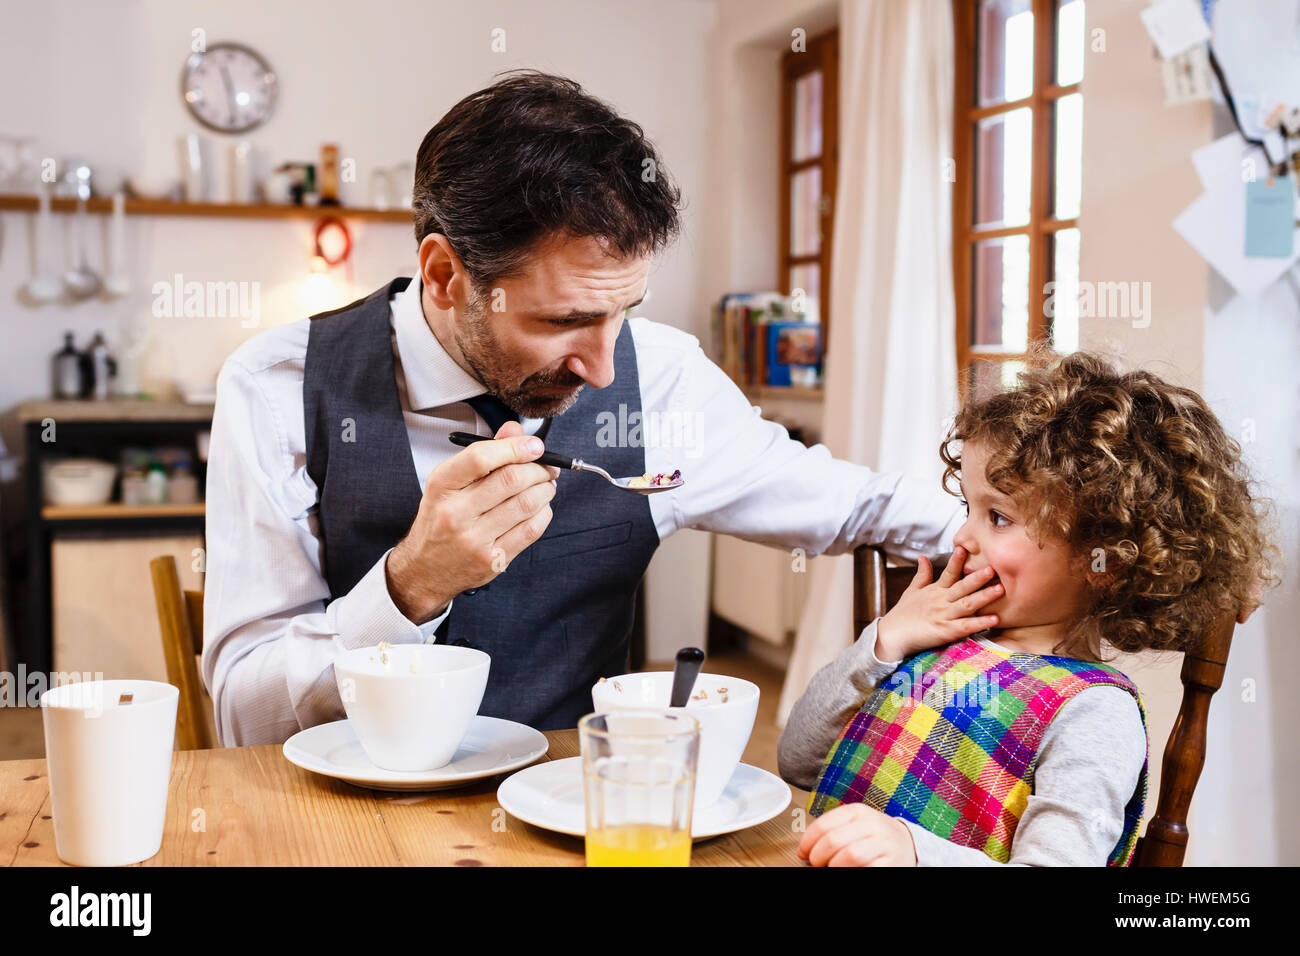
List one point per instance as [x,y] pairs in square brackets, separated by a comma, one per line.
[1252,384]
[102,80]
[737,248]
[1241,356]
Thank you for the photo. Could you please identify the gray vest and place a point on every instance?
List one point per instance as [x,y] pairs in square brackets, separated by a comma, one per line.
[561,615]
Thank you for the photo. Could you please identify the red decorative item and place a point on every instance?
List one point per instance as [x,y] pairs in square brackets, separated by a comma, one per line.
[333,241]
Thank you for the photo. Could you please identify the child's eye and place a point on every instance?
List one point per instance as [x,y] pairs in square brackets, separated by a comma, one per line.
[965,505]
[994,516]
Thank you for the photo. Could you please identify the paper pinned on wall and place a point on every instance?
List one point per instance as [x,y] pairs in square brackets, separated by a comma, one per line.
[1270,217]
[1215,226]
[1229,159]
[1175,26]
[1186,78]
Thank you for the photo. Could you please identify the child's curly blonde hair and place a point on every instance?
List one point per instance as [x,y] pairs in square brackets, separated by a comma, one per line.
[1144,484]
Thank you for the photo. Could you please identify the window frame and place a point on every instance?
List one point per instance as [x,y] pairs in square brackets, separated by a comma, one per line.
[1042,224]
[821,53]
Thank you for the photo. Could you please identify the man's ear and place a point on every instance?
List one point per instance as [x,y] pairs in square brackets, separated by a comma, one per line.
[439,268]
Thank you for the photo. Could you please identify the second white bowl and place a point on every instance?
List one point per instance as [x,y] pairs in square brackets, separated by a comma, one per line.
[724,706]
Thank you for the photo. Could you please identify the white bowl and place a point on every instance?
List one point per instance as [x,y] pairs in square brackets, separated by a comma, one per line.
[724,727]
[79,481]
[411,705]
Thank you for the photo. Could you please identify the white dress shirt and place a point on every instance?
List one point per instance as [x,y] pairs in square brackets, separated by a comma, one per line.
[271,632]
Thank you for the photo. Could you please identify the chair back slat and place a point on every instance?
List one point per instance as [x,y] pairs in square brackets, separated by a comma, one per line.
[1204,663]
[194,611]
[174,620]
[877,587]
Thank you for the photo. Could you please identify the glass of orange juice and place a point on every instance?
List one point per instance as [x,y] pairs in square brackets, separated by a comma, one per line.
[638,769]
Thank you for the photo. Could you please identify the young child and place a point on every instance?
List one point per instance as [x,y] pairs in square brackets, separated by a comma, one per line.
[1101,506]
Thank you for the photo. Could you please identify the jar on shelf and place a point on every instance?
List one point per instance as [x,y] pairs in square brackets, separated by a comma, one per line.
[182,485]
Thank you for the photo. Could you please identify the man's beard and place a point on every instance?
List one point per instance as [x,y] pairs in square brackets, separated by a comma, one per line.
[478,343]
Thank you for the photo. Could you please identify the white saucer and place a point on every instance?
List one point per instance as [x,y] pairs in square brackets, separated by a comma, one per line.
[491,746]
[549,796]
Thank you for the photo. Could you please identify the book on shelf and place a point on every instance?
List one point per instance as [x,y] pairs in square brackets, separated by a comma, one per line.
[758,340]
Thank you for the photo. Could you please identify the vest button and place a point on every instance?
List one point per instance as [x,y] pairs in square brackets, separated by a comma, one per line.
[470,591]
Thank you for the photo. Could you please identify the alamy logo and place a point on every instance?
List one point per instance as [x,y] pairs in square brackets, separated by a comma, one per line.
[75,908]
[208,300]
[653,429]
[1101,300]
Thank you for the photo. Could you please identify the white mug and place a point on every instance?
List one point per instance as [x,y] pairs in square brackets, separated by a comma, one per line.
[108,749]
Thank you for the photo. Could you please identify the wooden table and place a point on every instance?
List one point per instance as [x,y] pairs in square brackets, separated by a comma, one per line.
[248,806]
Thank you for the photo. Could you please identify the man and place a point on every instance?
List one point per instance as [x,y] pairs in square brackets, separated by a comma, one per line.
[339,514]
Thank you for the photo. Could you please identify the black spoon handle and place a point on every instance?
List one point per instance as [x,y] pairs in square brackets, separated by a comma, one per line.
[685,670]
[547,457]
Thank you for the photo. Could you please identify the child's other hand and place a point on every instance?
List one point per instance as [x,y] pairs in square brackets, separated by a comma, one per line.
[930,614]
[854,834]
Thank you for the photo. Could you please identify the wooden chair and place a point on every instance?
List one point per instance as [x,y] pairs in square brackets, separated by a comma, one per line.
[180,618]
[877,587]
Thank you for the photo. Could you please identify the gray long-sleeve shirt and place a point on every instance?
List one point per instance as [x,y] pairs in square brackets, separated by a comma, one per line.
[1089,762]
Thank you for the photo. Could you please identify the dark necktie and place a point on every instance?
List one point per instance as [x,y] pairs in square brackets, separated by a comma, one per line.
[493,411]
[496,413]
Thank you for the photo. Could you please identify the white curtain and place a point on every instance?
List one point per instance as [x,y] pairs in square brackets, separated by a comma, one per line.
[890,365]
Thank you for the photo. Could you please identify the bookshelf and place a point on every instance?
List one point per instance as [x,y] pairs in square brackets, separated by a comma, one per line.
[766,347]
[801,393]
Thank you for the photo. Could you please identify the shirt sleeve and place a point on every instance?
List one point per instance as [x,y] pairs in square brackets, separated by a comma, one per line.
[758,483]
[833,696]
[1089,764]
[271,633]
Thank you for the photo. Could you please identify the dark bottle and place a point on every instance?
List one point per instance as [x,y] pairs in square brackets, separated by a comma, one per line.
[102,367]
[67,370]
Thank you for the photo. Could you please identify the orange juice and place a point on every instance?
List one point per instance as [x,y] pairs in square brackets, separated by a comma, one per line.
[638,845]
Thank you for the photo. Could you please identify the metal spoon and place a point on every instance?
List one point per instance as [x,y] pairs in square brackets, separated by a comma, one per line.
[81,282]
[45,285]
[575,464]
[685,670]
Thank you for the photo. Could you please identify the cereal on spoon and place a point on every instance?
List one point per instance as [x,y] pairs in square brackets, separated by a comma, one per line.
[656,479]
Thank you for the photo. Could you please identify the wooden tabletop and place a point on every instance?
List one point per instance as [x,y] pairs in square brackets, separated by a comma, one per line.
[249,806]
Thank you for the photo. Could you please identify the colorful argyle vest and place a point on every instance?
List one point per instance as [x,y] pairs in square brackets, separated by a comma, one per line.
[950,741]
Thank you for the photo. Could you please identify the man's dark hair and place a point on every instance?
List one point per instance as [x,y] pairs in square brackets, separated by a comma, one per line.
[532,156]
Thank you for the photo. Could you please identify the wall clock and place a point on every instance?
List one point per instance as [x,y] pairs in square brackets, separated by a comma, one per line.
[229,87]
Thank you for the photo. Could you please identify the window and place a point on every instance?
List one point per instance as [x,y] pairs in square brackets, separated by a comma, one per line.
[1018,145]
[809,161]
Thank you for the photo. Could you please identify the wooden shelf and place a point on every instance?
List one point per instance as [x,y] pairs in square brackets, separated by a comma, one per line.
[166,207]
[797,392]
[119,510]
[112,410]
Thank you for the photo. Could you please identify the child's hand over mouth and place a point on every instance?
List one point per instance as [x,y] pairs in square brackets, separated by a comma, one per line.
[930,614]
[854,834]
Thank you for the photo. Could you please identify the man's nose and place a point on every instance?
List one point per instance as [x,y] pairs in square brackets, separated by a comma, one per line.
[594,362]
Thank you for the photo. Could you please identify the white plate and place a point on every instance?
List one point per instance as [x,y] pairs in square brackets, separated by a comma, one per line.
[549,796]
[491,746]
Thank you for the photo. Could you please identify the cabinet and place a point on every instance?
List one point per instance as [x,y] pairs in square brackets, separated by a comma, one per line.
[104,620]
[104,591]
[757,588]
